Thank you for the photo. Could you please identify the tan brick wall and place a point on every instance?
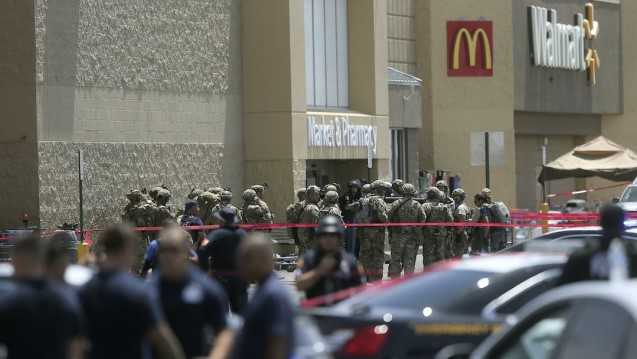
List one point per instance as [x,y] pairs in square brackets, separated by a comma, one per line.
[401,35]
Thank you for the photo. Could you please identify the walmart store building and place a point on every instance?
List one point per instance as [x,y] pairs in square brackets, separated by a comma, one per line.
[294,92]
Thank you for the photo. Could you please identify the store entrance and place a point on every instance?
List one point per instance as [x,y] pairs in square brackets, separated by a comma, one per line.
[322,172]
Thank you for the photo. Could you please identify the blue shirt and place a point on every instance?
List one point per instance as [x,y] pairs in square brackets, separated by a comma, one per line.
[190,307]
[269,314]
[38,319]
[120,312]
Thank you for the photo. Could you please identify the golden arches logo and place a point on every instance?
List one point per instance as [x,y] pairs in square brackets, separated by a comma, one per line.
[472,48]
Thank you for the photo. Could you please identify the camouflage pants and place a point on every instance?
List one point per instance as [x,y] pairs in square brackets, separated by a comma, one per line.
[404,249]
[498,239]
[458,243]
[372,255]
[306,240]
[436,241]
[479,240]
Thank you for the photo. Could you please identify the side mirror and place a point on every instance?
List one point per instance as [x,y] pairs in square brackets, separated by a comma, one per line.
[456,351]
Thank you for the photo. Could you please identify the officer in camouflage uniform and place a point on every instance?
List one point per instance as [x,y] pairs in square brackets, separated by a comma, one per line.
[498,213]
[461,214]
[397,187]
[163,213]
[195,193]
[309,215]
[226,202]
[480,235]
[293,214]
[372,255]
[324,190]
[330,206]
[435,238]
[153,193]
[253,213]
[267,216]
[207,202]
[406,240]
[134,212]
[216,190]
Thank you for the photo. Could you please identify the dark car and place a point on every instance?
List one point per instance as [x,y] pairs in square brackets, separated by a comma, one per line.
[453,302]
[568,236]
[582,321]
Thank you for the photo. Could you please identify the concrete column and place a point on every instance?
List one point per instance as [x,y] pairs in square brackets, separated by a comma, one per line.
[273,48]
[368,90]
[454,107]
[18,125]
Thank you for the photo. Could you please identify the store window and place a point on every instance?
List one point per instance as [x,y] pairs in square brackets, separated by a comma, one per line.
[399,154]
[326,69]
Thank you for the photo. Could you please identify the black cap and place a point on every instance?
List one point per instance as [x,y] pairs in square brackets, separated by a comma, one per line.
[330,225]
[227,216]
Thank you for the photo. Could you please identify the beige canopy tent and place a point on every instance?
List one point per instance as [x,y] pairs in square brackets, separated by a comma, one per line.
[597,158]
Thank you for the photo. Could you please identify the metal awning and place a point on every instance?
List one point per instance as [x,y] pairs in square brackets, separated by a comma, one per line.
[399,78]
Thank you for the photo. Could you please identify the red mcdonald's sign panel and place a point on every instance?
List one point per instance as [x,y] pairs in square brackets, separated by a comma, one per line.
[470,48]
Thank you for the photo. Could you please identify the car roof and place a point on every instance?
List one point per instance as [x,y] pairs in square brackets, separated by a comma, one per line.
[502,263]
[621,292]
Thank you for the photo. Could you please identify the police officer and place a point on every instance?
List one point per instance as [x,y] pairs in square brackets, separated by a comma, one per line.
[218,258]
[267,214]
[190,301]
[268,326]
[253,213]
[191,218]
[309,215]
[328,268]
[461,214]
[207,202]
[372,255]
[330,206]
[38,318]
[226,202]
[435,237]
[163,213]
[293,214]
[121,314]
[480,235]
[406,240]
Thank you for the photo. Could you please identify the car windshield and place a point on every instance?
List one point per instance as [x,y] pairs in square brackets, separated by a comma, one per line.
[446,291]
[630,195]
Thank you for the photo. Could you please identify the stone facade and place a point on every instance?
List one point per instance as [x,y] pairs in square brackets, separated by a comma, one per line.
[111,169]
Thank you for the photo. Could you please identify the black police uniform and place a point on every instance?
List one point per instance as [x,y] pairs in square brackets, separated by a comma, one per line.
[345,274]
[120,311]
[38,319]
[219,256]
[191,306]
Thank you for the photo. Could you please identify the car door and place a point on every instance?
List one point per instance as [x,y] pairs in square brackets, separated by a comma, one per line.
[576,329]
[537,337]
[601,329]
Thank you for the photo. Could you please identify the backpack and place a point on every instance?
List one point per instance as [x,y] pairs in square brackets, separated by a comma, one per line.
[499,213]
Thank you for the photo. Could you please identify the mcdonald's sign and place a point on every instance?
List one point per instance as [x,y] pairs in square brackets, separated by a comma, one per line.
[470,48]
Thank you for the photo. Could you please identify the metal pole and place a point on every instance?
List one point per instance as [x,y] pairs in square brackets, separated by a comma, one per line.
[81,178]
[487,162]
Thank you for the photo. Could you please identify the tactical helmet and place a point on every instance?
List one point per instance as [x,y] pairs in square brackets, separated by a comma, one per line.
[154,192]
[434,194]
[258,188]
[163,193]
[330,225]
[397,185]
[409,190]
[215,190]
[330,188]
[366,188]
[134,195]
[249,195]
[331,197]
[313,194]
[207,198]
[354,183]
[458,192]
[226,196]
[486,192]
[300,193]
[196,192]
[442,184]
